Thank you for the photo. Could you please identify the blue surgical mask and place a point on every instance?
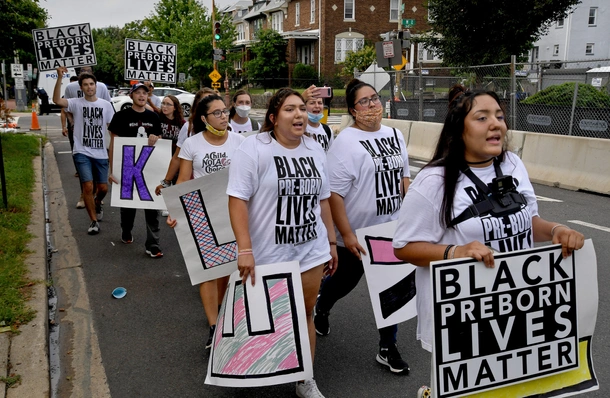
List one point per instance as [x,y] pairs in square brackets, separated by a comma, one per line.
[315,117]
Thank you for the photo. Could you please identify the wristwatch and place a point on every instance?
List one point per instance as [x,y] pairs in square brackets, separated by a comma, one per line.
[165,183]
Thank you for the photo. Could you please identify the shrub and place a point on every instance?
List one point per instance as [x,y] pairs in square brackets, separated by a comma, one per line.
[304,76]
[562,94]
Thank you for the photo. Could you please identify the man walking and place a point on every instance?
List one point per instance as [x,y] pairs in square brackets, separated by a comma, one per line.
[91,119]
[137,121]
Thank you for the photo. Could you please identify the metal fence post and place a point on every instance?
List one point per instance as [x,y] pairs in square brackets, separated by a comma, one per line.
[573,108]
[421,94]
[513,92]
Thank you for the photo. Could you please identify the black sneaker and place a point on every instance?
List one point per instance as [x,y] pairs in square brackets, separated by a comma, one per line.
[94,228]
[155,252]
[99,212]
[208,344]
[320,321]
[126,237]
[390,357]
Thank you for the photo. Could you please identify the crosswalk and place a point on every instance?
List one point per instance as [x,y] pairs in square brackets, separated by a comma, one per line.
[334,119]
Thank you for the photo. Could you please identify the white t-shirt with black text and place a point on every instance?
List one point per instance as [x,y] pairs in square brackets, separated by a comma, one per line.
[208,158]
[73,91]
[91,121]
[242,128]
[419,221]
[366,169]
[283,188]
[320,135]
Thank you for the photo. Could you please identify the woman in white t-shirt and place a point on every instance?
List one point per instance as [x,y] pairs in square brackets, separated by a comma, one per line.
[240,109]
[200,155]
[369,174]
[315,113]
[278,203]
[436,221]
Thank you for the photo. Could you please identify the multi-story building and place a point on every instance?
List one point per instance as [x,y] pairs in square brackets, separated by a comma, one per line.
[584,34]
[321,33]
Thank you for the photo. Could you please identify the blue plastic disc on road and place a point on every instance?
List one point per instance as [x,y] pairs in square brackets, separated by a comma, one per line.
[119,292]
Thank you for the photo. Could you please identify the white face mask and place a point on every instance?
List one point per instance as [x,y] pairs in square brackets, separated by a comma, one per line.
[243,110]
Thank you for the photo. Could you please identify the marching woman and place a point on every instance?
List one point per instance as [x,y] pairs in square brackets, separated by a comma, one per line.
[472,181]
[201,155]
[269,230]
[240,109]
[369,174]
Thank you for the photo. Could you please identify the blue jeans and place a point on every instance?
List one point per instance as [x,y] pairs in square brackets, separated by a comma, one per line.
[91,169]
[346,278]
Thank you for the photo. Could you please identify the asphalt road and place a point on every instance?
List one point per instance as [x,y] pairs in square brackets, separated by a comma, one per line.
[152,341]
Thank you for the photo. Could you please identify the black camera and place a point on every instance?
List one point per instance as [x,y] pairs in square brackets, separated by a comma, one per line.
[500,186]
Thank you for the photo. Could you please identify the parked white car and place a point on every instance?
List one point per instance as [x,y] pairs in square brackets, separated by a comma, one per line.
[121,102]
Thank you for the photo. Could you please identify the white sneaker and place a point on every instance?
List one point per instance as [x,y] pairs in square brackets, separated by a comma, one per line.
[308,389]
[81,202]
[424,392]
[164,213]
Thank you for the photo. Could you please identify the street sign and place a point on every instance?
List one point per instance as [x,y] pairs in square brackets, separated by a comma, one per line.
[404,62]
[216,85]
[388,49]
[388,53]
[218,57]
[181,77]
[218,51]
[215,76]
[408,23]
[16,70]
[19,83]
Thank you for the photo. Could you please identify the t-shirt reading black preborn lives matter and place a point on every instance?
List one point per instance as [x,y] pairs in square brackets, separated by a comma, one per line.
[131,124]
[366,168]
[90,121]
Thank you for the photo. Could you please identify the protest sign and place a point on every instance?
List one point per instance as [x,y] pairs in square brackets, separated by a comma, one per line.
[70,46]
[149,60]
[391,281]
[203,228]
[522,328]
[139,167]
[261,335]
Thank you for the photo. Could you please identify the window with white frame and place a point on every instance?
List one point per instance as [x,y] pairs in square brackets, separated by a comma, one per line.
[297,14]
[237,65]
[429,55]
[592,16]
[535,54]
[348,9]
[347,42]
[277,21]
[393,10]
[312,17]
[556,50]
[240,32]
[589,49]
[560,23]
[258,25]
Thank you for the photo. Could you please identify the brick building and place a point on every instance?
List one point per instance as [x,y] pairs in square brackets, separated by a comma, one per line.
[320,33]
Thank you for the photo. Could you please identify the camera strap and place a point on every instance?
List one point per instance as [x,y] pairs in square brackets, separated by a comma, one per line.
[490,203]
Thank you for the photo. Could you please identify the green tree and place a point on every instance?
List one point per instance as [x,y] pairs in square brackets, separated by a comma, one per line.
[269,53]
[109,50]
[17,19]
[563,95]
[489,31]
[360,60]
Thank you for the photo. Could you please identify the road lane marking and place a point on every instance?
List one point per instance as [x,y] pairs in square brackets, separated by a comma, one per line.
[63,152]
[586,224]
[545,199]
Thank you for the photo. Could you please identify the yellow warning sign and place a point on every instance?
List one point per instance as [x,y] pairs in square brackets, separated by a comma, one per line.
[215,76]
[216,85]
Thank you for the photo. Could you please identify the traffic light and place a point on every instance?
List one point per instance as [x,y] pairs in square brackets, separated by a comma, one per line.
[217,31]
[405,36]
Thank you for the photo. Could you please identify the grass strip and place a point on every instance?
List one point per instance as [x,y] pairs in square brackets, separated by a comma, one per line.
[18,152]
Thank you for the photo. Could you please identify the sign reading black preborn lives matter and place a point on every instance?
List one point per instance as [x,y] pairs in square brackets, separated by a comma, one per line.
[522,328]
[70,46]
[149,60]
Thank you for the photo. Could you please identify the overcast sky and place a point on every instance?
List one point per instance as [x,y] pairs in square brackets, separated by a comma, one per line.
[102,13]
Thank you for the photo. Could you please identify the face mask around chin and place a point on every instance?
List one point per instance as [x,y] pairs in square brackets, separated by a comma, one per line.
[215,131]
[243,110]
[315,117]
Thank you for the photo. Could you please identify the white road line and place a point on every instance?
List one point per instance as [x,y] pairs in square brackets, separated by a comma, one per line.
[545,199]
[63,152]
[586,224]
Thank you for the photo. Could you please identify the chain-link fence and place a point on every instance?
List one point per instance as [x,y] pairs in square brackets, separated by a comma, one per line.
[569,98]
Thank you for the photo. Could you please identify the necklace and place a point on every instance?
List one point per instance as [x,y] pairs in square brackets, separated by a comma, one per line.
[481,162]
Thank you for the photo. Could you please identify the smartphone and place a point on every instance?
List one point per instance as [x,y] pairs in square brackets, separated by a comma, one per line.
[324,92]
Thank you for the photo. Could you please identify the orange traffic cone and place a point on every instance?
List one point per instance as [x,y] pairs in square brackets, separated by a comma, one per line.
[35,126]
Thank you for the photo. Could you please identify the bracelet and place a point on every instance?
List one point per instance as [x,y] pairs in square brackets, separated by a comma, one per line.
[165,183]
[244,254]
[558,225]
[245,251]
[332,243]
[447,251]
[453,251]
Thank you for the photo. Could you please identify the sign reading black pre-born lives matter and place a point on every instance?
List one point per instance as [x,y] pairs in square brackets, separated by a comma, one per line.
[69,46]
[149,60]
[522,328]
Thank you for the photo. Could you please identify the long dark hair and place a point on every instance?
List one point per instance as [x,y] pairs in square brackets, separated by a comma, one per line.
[198,96]
[450,149]
[178,114]
[275,104]
[234,98]
[202,108]
[350,93]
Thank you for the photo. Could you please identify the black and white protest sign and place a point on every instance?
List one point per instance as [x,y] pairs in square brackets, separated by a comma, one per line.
[503,325]
[69,46]
[149,60]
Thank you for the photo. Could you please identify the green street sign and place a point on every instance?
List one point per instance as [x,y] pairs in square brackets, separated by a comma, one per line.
[408,23]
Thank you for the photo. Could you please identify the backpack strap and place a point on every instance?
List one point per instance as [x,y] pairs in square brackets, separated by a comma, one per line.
[328,131]
[254,123]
